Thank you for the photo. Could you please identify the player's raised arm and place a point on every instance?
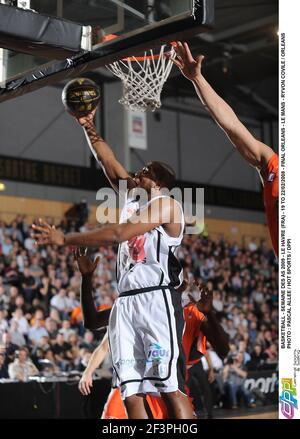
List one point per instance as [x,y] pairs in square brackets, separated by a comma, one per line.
[92,318]
[163,211]
[103,153]
[255,152]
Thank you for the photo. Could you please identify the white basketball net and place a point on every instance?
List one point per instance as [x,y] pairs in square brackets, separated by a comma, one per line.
[143,81]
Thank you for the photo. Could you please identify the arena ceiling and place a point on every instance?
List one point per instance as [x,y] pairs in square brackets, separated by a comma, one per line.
[241,58]
[241,54]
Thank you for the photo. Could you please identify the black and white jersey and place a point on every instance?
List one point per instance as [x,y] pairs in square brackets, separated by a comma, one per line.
[148,260]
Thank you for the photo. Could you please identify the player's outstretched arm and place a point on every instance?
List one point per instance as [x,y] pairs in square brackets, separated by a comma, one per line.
[103,153]
[93,319]
[95,361]
[255,152]
[211,328]
[162,211]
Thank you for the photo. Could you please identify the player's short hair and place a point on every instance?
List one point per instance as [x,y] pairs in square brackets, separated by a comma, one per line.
[163,174]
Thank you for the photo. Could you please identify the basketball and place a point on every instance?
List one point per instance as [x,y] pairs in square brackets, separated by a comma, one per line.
[80,96]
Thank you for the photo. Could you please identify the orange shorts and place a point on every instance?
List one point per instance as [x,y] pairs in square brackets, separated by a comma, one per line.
[271,194]
[157,407]
[115,409]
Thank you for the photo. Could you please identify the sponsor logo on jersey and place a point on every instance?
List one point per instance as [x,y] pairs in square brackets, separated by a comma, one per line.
[156,353]
[136,248]
[129,362]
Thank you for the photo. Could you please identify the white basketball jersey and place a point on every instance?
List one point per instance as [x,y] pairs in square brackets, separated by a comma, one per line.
[148,260]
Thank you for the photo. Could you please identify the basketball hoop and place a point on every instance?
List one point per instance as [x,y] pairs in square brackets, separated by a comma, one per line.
[143,78]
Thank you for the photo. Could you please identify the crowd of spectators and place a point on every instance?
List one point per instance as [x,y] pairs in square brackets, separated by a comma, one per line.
[245,290]
[40,315]
[244,282]
[41,320]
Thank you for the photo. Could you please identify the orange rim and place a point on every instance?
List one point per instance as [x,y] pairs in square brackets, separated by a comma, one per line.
[111,37]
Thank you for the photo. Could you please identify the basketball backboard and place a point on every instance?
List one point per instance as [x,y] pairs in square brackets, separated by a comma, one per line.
[137,25]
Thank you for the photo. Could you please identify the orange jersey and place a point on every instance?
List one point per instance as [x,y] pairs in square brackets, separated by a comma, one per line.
[76,316]
[271,193]
[193,341]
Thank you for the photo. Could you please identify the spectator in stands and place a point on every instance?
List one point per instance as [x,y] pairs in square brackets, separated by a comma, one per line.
[72,301]
[257,295]
[271,353]
[37,354]
[29,285]
[14,232]
[6,246]
[75,281]
[60,302]
[66,329]
[49,355]
[9,347]
[3,367]
[230,329]
[11,272]
[44,293]
[2,231]
[38,315]
[258,358]
[252,332]
[44,343]
[81,363]
[35,269]
[51,327]
[242,349]
[29,244]
[19,302]
[22,367]
[218,301]
[62,351]
[236,283]
[3,321]
[234,375]
[4,298]
[23,325]
[89,341]
[17,337]
[13,294]
[54,315]
[37,331]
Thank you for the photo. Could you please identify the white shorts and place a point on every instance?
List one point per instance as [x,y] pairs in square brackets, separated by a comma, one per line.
[145,337]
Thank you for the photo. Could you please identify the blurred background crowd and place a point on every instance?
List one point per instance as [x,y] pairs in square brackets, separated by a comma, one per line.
[41,322]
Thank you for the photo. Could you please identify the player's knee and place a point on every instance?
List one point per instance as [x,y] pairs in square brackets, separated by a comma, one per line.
[134,399]
[173,396]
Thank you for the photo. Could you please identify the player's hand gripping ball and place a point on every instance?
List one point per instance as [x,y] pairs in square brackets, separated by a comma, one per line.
[80,96]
